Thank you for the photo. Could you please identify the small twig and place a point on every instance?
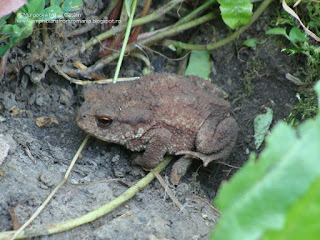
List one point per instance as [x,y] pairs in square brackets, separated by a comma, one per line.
[228,165]
[42,75]
[101,181]
[143,58]
[167,189]
[164,56]
[29,153]
[205,201]
[84,82]
[80,65]
[195,12]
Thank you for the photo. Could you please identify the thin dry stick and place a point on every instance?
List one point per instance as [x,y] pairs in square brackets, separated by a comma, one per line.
[54,191]
[167,189]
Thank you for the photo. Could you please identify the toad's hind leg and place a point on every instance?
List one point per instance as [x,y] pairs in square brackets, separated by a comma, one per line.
[214,141]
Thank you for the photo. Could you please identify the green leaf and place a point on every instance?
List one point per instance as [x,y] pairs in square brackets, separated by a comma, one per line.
[296,35]
[199,64]
[252,172]
[258,197]
[10,29]
[51,13]
[302,218]
[317,89]
[33,7]
[71,5]
[261,126]
[251,42]
[3,20]
[172,48]
[235,12]
[4,49]
[128,4]
[55,2]
[277,31]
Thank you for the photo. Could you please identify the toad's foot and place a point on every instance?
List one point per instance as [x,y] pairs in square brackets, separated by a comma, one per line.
[179,169]
[203,157]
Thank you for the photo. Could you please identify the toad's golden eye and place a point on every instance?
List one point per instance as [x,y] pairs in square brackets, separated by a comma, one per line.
[104,121]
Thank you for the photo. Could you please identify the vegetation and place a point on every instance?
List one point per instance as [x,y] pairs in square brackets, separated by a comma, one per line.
[34,11]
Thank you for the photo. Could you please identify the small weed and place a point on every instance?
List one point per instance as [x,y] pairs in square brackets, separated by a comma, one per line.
[300,42]
[306,108]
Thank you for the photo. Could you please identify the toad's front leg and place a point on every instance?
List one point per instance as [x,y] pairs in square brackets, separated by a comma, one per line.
[157,146]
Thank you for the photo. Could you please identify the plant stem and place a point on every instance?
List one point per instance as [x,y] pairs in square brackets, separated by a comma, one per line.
[195,12]
[125,40]
[172,31]
[224,41]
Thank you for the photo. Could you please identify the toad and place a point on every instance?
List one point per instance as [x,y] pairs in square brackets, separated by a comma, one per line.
[160,114]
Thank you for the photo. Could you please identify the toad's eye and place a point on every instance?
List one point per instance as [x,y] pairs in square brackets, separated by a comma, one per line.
[104,121]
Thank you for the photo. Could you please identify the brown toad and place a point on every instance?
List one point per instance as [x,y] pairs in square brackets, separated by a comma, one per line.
[162,113]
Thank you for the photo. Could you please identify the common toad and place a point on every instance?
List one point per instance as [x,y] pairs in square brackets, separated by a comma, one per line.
[162,113]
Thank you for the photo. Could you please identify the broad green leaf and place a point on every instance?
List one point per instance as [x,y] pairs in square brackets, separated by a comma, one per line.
[251,42]
[4,49]
[261,126]
[10,29]
[259,196]
[302,218]
[235,12]
[33,7]
[199,64]
[71,5]
[52,13]
[277,31]
[55,2]
[128,4]
[3,20]
[27,30]
[251,173]
[296,35]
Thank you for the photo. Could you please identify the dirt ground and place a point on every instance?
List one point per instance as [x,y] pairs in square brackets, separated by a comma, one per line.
[39,157]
